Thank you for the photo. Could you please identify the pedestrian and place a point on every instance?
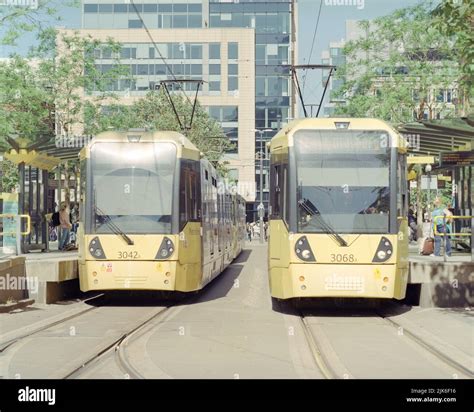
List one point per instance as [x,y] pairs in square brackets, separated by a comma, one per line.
[440,215]
[249,232]
[412,224]
[65,226]
[73,218]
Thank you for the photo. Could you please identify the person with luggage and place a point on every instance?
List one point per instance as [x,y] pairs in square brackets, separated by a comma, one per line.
[438,226]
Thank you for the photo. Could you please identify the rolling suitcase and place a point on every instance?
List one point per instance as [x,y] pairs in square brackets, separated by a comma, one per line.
[428,246]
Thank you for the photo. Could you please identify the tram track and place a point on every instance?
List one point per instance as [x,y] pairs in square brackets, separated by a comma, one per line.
[4,345]
[316,352]
[427,346]
[118,347]
[327,359]
[81,363]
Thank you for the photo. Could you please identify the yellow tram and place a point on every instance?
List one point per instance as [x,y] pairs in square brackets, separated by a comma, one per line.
[155,215]
[338,210]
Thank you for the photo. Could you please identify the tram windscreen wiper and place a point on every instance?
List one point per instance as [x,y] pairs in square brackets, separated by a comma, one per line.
[115,229]
[311,210]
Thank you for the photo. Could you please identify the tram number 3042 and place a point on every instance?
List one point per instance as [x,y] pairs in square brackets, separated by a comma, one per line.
[128,255]
[344,258]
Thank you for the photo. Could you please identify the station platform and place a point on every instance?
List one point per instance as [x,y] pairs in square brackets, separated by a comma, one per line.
[440,283]
[40,277]
[54,276]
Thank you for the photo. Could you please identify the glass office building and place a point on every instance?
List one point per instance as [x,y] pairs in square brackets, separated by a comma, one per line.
[221,62]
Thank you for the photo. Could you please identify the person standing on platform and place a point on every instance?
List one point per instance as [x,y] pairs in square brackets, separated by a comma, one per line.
[438,227]
[412,224]
[65,226]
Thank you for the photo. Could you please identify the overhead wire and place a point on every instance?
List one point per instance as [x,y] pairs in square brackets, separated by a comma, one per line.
[155,45]
[313,42]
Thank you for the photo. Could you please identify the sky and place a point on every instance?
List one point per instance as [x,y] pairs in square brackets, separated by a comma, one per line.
[331,28]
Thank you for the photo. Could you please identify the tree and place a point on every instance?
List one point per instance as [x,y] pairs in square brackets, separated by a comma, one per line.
[155,112]
[15,21]
[456,20]
[23,101]
[44,95]
[9,176]
[71,70]
[397,67]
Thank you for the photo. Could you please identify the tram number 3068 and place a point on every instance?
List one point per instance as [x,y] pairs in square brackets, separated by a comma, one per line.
[128,255]
[345,258]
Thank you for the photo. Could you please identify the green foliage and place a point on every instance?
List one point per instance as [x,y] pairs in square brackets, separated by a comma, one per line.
[10,178]
[155,112]
[391,70]
[17,20]
[44,93]
[445,194]
[23,100]
[456,20]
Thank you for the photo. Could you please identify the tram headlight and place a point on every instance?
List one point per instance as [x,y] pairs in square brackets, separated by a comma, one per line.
[384,251]
[166,249]
[303,250]
[381,254]
[95,249]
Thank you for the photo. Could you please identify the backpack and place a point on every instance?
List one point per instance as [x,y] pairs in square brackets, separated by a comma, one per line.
[55,219]
[53,235]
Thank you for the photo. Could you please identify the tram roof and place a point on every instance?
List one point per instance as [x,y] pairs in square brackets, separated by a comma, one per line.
[149,136]
[331,123]
[186,148]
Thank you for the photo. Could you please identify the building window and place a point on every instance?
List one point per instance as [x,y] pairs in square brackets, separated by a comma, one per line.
[232,83]
[196,51]
[214,86]
[449,96]
[233,69]
[214,50]
[214,69]
[150,8]
[194,20]
[106,8]
[180,21]
[233,51]
[195,8]
[440,96]
[230,113]
[135,24]
[180,8]
[91,8]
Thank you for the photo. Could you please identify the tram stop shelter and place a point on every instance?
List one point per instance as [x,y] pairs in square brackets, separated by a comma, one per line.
[449,143]
[45,179]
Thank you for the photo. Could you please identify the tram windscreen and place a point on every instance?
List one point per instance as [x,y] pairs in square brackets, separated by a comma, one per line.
[132,187]
[343,181]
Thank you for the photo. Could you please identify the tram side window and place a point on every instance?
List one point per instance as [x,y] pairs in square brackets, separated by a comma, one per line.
[189,194]
[285,196]
[402,190]
[83,167]
[276,198]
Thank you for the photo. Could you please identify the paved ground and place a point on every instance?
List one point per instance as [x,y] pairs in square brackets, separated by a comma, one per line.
[230,330]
